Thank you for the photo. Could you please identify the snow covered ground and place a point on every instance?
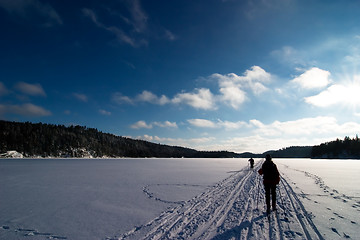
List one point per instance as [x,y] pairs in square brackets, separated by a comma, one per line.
[176,199]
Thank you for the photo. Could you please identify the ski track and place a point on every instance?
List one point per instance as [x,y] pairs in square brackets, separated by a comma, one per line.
[329,192]
[232,209]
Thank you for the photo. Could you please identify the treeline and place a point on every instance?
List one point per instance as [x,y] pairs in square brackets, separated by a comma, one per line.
[288,152]
[48,140]
[347,148]
[338,149]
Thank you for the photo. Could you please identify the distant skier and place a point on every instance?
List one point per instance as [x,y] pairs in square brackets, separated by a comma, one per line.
[251,160]
[271,178]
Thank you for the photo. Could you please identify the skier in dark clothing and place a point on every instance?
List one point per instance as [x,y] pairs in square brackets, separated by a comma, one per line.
[271,178]
[251,160]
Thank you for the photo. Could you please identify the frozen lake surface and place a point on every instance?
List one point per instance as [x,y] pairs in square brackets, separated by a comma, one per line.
[192,198]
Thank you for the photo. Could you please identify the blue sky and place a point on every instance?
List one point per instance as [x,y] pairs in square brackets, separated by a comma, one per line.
[249,75]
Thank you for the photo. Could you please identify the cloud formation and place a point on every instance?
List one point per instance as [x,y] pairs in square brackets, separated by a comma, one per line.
[200,99]
[336,94]
[227,125]
[27,109]
[233,91]
[313,79]
[142,124]
[104,112]
[149,97]
[119,98]
[30,89]
[203,123]
[121,35]
[132,23]
[263,137]
[81,97]
[233,88]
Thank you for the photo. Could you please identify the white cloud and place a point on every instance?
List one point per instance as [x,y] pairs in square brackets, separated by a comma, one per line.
[26,9]
[121,99]
[233,87]
[232,95]
[166,124]
[104,112]
[30,89]
[252,79]
[200,99]
[261,137]
[306,127]
[232,90]
[143,124]
[233,125]
[277,135]
[260,144]
[27,109]
[203,123]
[336,94]
[256,74]
[147,96]
[313,78]
[146,138]
[80,97]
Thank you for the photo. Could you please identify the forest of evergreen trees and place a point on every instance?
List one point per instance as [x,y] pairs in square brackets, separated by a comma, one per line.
[47,140]
[347,148]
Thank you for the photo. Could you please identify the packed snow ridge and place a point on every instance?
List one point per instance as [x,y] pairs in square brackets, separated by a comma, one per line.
[234,209]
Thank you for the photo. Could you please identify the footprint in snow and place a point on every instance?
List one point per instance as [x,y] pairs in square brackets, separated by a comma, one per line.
[335,231]
[338,215]
[346,236]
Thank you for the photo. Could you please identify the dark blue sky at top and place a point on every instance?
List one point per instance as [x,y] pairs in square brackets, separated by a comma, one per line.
[88,56]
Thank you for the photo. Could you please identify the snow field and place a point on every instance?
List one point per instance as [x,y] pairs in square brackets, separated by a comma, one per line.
[233,208]
[176,199]
[333,200]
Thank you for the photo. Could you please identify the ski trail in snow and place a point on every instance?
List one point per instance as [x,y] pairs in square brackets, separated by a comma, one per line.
[233,209]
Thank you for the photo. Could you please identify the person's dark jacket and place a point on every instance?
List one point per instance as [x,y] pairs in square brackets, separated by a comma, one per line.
[270,173]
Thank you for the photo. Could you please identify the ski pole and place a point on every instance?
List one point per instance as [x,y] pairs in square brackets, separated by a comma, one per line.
[282,200]
[258,193]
